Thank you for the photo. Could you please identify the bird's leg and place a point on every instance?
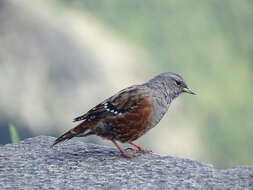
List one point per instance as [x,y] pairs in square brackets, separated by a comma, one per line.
[123,152]
[139,148]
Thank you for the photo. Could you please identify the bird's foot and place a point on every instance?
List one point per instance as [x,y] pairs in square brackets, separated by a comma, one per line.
[132,154]
[139,148]
[124,153]
[144,150]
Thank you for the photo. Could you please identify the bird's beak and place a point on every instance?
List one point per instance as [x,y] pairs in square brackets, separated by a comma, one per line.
[187,90]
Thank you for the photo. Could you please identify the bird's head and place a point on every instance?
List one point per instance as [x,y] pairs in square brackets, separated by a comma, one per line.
[172,83]
[176,83]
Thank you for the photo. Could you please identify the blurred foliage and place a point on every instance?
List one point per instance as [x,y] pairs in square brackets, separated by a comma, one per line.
[210,42]
[14,134]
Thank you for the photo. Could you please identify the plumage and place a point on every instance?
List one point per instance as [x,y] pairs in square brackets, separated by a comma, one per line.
[130,113]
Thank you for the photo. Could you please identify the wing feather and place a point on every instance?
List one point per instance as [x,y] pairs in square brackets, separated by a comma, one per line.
[122,102]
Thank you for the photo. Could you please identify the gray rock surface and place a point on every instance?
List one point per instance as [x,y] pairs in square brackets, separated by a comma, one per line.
[77,165]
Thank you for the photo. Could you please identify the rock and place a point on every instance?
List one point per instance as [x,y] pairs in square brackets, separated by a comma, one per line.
[77,165]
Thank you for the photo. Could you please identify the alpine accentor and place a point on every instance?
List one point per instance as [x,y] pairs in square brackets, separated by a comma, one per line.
[130,113]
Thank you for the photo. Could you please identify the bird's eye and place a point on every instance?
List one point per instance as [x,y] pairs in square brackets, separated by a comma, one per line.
[178,83]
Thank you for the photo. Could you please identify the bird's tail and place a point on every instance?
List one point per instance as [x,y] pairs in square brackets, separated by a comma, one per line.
[80,130]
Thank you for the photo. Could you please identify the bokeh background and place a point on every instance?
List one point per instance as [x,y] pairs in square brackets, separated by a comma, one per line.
[59,58]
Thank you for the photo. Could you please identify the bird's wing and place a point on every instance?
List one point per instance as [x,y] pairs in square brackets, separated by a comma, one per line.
[119,104]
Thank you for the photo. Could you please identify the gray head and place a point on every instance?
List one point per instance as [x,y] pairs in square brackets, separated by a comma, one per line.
[171,84]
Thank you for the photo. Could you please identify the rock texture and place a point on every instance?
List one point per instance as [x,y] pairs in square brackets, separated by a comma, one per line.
[77,165]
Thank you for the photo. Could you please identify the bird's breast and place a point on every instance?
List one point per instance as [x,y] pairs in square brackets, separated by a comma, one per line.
[160,108]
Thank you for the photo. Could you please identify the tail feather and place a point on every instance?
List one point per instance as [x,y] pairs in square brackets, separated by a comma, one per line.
[64,137]
[79,131]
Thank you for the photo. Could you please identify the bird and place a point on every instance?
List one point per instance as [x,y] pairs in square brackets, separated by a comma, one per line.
[130,113]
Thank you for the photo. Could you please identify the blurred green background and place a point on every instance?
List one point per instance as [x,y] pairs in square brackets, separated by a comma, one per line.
[59,58]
